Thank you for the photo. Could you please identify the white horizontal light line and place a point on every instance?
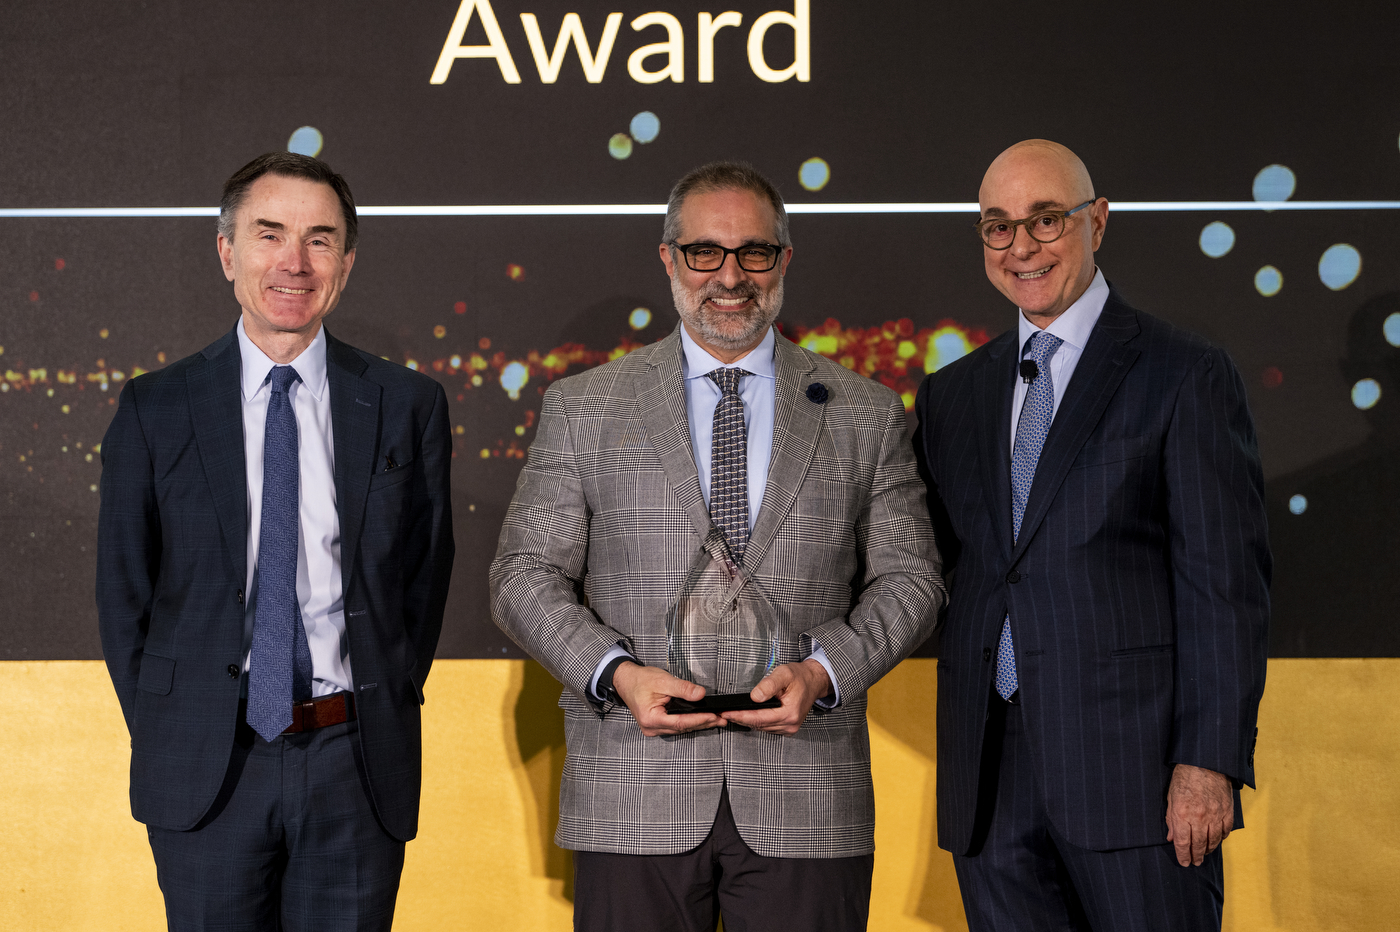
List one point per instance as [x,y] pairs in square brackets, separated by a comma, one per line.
[621,210]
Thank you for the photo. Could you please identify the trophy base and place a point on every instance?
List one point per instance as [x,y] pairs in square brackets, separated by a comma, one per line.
[725,702]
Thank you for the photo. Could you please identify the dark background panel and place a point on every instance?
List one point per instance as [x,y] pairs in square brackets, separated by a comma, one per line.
[155,104]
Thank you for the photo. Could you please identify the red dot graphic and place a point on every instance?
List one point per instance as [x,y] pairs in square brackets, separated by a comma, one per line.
[59,264]
[460,307]
[1273,377]
[34,296]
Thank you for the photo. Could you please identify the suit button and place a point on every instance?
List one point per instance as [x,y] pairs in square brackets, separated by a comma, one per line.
[986,654]
[233,671]
[1013,577]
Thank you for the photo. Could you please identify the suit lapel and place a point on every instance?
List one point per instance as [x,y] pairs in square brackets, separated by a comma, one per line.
[1106,360]
[355,426]
[661,406]
[994,391]
[216,408]
[797,425]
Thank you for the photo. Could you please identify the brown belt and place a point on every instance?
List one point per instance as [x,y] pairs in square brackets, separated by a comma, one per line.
[318,713]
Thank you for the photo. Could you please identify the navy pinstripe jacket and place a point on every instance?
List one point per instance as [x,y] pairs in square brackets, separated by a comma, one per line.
[1138,590]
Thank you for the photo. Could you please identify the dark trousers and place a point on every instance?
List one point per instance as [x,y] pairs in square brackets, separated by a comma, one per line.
[1023,876]
[689,892]
[291,843]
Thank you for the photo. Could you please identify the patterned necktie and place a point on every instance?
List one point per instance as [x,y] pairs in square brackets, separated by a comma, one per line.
[279,670]
[729,463]
[1036,414]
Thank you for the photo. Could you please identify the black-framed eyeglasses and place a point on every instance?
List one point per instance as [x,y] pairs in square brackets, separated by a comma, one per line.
[708,257]
[1043,227]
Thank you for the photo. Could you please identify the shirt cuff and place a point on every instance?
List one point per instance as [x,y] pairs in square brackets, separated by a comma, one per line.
[819,655]
[609,657]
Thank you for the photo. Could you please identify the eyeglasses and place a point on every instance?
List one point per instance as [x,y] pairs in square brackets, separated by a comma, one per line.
[1044,227]
[708,257]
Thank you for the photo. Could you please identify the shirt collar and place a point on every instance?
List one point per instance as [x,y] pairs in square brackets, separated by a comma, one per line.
[1077,321]
[697,362]
[310,365]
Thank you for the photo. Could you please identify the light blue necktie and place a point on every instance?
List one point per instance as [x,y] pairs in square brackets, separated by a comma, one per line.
[1036,414]
[729,463]
[279,670]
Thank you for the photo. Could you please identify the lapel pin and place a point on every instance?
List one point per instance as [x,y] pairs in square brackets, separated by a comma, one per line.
[816,392]
[389,463]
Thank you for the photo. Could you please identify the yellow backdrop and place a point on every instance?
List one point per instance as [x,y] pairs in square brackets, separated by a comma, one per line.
[1321,851]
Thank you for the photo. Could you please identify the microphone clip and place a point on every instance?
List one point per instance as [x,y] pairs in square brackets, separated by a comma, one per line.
[1029,370]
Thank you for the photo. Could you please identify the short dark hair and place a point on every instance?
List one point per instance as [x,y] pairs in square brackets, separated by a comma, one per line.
[287,165]
[723,176]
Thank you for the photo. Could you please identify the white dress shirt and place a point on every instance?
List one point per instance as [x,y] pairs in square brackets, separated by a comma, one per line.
[1073,327]
[759,392]
[318,543]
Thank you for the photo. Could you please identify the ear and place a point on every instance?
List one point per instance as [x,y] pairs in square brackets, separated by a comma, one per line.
[346,264]
[668,259]
[225,248]
[785,261]
[1098,219]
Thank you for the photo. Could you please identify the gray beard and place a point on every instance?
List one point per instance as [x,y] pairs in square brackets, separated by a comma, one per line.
[728,331]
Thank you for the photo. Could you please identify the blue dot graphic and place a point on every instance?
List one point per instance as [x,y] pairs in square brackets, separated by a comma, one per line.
[307,140]
[1217,239]
[814,174]
[645,127]
[1391,329]
[1339,266]
[1268,281]
[1298,504]
[1274,183]
[949,347]
[1366,393]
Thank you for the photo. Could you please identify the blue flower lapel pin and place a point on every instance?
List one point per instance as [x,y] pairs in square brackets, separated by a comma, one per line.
[817,393]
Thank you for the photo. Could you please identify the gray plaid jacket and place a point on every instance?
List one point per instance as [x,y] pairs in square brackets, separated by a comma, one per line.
[609,503]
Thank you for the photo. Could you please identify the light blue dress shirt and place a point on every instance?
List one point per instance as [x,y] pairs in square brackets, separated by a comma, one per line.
[1073,326]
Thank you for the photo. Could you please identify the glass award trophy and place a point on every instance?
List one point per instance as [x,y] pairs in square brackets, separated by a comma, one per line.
[722,633]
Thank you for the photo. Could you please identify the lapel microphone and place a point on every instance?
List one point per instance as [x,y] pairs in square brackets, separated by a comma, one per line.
[1029,370]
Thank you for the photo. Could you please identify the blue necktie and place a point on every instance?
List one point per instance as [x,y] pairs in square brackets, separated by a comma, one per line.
[729,463]
[1036,414]
[279,670]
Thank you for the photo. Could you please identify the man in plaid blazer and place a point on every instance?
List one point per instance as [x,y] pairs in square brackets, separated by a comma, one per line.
[766,816]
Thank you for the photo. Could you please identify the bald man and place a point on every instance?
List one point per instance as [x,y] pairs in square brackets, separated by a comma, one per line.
[1095,487]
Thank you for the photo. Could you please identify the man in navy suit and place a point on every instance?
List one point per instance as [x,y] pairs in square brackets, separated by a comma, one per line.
[274,549]
[1095,487]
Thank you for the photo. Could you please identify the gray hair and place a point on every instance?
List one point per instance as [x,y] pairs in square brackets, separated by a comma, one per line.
[723,176]
[287,165]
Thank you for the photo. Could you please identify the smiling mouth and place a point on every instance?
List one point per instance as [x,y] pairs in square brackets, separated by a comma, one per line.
[730,303]
[282,290]
[1031,276]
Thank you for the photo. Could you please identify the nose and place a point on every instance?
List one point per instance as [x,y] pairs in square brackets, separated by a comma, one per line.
[1022,243]
[730,273]
[292,257]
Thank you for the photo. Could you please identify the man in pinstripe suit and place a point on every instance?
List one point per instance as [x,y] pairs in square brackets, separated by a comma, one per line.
[1094,479]
[765,816]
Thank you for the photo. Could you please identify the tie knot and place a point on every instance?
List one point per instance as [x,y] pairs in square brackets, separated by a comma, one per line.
[1041,346]
[282,377]
[727,379]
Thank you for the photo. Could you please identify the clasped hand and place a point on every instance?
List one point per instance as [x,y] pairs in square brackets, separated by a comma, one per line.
[646,690]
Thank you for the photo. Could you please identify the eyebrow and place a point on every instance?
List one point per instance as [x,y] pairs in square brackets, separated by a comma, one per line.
[274,225]
[1036,208]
